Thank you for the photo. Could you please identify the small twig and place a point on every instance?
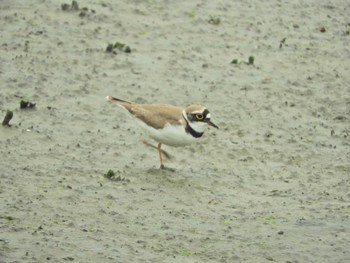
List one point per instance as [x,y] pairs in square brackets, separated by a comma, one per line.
[282,42]
[251,60]
[8,117]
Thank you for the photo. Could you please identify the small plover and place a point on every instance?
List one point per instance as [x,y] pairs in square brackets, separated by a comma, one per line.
[168,124]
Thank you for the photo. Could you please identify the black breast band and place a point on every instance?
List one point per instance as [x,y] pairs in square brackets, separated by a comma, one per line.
[191,131]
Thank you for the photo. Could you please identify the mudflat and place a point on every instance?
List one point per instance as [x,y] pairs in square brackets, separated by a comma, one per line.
[271,185]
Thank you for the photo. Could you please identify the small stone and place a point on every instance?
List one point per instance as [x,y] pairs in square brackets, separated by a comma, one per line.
[65,7]
[127,49]
[75,5]
[109,48]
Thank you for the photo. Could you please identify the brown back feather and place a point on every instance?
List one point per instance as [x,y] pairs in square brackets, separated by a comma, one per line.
[155,115]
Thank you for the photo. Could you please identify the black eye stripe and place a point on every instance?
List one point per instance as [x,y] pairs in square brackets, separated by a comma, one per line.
[194,118]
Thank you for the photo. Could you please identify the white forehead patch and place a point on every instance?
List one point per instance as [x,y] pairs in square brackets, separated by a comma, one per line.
[208,116]
[197,112]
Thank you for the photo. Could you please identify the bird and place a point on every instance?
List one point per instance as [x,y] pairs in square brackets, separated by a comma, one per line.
[168,124]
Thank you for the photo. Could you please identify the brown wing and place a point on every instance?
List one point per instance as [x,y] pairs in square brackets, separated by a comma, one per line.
[155,115]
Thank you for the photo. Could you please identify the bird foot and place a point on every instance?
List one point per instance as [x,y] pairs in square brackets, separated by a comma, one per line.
[162,167]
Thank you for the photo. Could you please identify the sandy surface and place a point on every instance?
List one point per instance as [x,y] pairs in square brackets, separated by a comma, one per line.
[271,185]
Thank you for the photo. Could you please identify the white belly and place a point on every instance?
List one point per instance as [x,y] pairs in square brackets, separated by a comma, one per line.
[169,135]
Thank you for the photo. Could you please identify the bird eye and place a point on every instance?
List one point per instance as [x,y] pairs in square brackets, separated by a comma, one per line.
[199,117]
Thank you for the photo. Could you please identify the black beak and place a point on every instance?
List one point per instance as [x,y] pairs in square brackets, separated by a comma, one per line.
[212,124]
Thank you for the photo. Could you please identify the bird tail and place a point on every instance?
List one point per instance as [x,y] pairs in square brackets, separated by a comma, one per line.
[116,100]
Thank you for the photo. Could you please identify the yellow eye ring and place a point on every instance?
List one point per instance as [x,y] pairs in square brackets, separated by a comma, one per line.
[199,117]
